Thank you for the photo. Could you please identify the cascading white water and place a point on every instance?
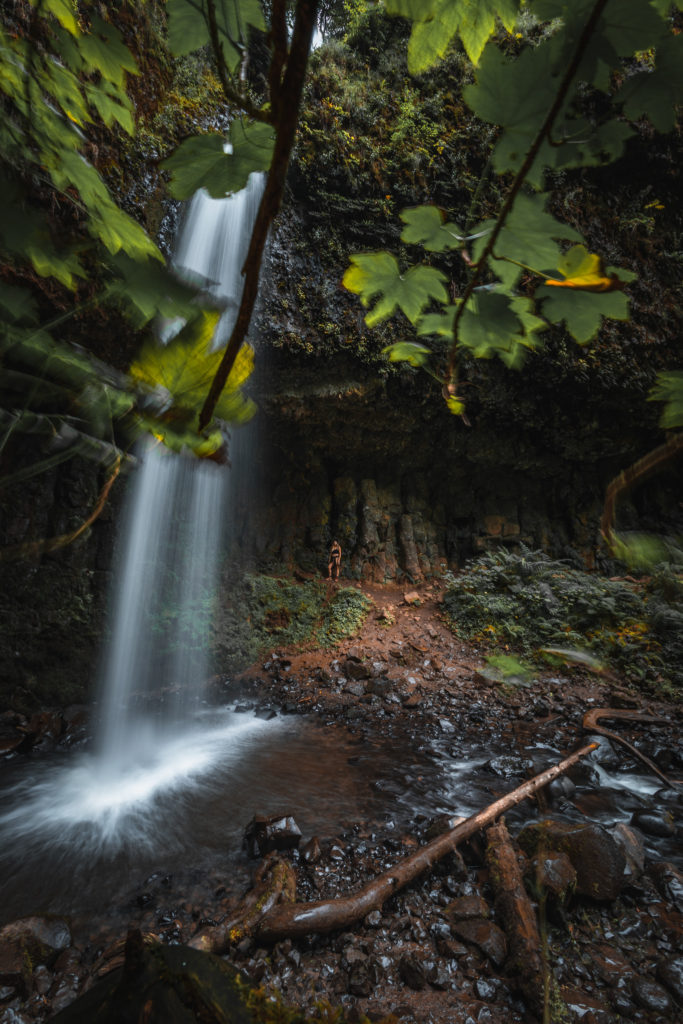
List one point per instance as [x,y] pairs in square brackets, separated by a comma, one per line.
[156,663]
[155,666]
[212,245]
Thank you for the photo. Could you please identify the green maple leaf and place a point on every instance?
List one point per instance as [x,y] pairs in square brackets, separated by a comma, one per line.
[527,237]
[656,94]
[582,311]
[184,368]
[408,352]
[489,326]
[188,25]
[18,303]
[425,226]
[111,107]
[669,389]
[377,274]
[103,50]
[436,22]
[439,324]
[203,162]
[63,10]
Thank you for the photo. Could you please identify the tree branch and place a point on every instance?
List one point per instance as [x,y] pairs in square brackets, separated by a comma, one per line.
[285,129]
[520,177]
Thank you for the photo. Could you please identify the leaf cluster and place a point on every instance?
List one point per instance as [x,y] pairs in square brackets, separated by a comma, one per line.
[522,277]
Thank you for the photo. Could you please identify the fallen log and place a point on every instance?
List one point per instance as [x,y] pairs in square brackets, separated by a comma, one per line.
[516,916]
[265,916]
[274,881]
[590,724]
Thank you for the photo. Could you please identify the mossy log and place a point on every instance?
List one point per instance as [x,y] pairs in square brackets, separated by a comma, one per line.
[516,915]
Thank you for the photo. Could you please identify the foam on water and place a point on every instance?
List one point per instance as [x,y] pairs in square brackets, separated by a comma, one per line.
[98,805]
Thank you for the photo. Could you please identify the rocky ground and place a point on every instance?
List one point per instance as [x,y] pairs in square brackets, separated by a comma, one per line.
[611,899]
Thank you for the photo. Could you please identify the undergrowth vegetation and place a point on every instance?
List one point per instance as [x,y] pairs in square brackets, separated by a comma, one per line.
[266,611]
[526,602]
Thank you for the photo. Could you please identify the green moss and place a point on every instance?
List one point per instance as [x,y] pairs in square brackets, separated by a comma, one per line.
[268,611]
[529,601]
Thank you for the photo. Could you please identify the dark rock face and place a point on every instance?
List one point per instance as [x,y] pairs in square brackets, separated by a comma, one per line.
[599,861]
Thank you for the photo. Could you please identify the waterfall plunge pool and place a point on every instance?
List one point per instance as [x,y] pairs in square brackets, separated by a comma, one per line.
[82,837]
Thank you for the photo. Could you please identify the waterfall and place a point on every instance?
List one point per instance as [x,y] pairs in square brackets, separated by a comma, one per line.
[155,665]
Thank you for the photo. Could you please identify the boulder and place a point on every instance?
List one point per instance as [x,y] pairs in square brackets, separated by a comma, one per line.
[596,856]
[486,936]
[28,942]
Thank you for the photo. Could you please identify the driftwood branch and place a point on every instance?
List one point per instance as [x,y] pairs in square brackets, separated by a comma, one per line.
[296,920]
[636,474]
[590,724]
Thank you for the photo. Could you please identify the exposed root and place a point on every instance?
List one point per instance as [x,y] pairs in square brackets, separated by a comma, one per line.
[590,724]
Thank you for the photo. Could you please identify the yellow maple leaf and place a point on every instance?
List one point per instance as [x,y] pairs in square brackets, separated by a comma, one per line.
[584,271]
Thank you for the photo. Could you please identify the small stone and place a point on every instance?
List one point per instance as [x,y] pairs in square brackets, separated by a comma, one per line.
[412,972]
[373,919]
[630,841]
[651,996]
[669,882]
[554,873]
[311,851]
[486,936]
[654,823]
[467,907]
[485,989]
[412,597]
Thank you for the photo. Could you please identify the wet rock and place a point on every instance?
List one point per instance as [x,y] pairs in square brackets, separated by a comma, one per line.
[163,983]
[584,1007]
[604,753]
[42,979]
[597,858]
[506,766]
[555,874]
[360,980]
[669,882]
[356,688]
[263,835]
[357,669]
[650,996]
[561,789]
[30,940]
[611,966]
[632,844]
[311,851]
[654,823]
[486,936]
[485,989]
[670,973]
[373,920]
[467,907]
[412,971]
